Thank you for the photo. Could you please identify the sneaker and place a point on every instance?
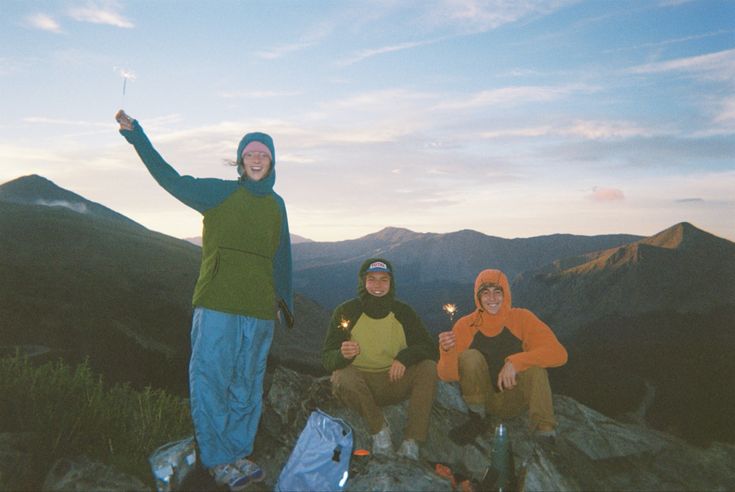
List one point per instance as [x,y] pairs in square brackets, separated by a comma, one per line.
[229,475]
[545,431]
[467,432]
[250,470]
[409,449]
[382,443]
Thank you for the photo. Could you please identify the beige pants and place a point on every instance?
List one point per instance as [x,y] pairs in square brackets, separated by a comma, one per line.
[532,391]
[365,392]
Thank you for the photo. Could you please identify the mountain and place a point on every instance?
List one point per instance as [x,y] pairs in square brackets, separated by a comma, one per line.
[295,239]
[91,286]
[655,316]
[37,190]
[431,269]
[644,319]
[682,269]
[98,285]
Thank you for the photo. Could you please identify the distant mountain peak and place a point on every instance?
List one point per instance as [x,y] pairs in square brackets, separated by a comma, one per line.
[37,190]
[681,235]
[393,235]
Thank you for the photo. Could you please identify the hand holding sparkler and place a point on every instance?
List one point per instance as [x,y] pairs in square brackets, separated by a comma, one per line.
[447,339]
[350,349]
[126,122]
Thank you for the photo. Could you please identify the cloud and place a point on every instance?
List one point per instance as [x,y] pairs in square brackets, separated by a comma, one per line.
[515,95]
[667,42]
[719,65]
[369,53]
[258,94]
[77,207]
[309,39]
[585,129]
[100,14]
[43,22]
[474,16]
[448,19]
[602,194]
[43,120]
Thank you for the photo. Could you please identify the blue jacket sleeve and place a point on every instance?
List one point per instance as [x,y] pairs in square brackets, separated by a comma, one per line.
[282,265]
[199,194]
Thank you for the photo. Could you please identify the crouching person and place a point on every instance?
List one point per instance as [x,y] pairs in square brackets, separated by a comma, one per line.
[379,353]
[498,354]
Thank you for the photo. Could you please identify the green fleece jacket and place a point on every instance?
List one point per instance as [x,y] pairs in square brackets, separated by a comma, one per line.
[246,249]
[420,345]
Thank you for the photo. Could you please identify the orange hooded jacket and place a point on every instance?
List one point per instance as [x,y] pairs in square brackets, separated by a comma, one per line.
[540,346]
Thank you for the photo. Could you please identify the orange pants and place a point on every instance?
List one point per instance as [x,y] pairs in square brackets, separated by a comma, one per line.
[532,391]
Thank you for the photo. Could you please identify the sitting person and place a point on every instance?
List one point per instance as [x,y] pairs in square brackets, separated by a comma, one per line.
[379,353]
[498,354]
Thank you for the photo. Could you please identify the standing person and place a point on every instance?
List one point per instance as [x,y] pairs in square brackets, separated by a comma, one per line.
[499,354]
[379,353]
[245,275]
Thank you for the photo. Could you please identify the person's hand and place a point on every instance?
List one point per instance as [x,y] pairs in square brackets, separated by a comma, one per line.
[126,122]
[350,349]
[507,377]
[447,340]
[396,372]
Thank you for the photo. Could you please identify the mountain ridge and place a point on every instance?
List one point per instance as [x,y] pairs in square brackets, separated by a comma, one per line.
[37,190]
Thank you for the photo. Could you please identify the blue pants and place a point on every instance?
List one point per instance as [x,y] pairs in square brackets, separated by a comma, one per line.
[226,370]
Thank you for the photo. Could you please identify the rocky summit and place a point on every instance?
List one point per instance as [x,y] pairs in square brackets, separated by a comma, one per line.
[590,451]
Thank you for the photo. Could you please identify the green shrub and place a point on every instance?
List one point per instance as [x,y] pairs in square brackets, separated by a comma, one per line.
[71,412]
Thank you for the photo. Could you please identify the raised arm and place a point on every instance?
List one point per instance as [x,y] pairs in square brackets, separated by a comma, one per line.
[199,194]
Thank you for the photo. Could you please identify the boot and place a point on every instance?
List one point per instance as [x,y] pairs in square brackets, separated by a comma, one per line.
[467,432]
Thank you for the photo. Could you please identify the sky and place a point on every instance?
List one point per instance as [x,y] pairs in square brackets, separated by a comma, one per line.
[514,118]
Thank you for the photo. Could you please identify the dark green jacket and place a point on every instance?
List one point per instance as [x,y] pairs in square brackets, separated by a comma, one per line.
[420,345]
[246,249]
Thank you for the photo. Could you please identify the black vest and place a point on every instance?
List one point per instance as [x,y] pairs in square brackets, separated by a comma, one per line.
[496,349]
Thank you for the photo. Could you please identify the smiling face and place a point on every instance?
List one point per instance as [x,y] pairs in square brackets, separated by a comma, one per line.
[491,299]
[256,165]
[377,283]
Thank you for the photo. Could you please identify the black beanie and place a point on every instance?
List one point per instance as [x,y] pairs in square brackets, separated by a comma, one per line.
[376,307]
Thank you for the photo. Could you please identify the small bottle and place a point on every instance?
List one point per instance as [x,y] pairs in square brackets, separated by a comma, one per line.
[502,460]
[172,463]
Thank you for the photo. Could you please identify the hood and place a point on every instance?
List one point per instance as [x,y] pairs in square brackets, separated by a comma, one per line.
[265,185]
[495,277]
[375,307]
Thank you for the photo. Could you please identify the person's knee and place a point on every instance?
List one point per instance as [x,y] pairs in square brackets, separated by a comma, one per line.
[535,373]
[346,381]
[426,370]
[471,361]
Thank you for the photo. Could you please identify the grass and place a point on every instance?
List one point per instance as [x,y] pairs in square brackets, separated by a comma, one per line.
[69,411]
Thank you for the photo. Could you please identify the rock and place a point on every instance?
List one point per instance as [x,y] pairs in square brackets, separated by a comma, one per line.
[590,452]
[82,474]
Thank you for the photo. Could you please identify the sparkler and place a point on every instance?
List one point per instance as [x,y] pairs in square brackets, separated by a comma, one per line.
[126,74]
[451,310]
[344,324]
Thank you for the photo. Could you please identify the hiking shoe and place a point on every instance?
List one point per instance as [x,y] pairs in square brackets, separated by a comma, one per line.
[229,475]
[467,432]
[382,443]
[250,470]
[545,433]
[409,449]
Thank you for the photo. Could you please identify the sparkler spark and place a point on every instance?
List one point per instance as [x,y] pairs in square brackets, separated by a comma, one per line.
[344,324]
[126,74]
[450,309]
